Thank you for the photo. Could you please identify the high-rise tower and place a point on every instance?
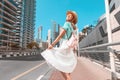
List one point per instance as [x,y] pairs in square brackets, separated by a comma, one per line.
[28,21]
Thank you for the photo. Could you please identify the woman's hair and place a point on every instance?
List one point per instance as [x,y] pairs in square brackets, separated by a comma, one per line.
[75,18]
[74,26]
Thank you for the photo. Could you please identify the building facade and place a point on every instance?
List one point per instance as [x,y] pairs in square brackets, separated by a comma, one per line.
[49,37]
[55,32]
[100,31]
[17,21]
[99,34]
[28,22]
[115,22]
[8,22]
[18,24]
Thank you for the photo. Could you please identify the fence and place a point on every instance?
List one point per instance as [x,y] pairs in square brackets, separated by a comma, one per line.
[14,53]
[103,57]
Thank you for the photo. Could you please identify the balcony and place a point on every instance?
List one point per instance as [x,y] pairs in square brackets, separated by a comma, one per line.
[7,30]
[5,35]
[8,25]
[8,14]
[12,11]
[7,41]
[7,19]
[13,6]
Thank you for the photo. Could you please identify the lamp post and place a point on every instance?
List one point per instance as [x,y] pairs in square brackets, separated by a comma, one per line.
[109,30]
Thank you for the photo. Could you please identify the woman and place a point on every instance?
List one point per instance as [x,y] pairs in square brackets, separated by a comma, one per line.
[63,58]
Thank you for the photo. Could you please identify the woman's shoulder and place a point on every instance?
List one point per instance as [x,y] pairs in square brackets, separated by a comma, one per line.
[67,25]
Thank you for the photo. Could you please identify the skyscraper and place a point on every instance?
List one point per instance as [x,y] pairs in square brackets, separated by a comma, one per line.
[55,31]
[28,22]
[40,33]
[8,20]
[18,24]
[49,37]
[17,21]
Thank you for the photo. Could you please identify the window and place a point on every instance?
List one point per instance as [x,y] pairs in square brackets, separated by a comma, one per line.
[117,16]
[112,8]
[100,42]
[109,1]
[103,34]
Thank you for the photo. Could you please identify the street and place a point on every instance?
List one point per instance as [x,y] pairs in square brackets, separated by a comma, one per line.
[23,68]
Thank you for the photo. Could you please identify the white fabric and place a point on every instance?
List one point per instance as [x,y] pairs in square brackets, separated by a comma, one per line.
[61,58]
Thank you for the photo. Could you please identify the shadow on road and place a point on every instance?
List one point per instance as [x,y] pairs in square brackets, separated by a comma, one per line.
[37,57]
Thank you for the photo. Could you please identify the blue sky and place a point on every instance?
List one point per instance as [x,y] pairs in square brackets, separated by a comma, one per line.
[48,11]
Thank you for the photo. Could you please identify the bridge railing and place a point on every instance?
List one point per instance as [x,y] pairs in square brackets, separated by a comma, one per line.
[12,53]
[101,54]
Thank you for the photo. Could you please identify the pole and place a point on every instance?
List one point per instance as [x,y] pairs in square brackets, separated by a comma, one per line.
[112,62]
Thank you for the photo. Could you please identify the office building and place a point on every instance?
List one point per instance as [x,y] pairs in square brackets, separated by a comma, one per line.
[28,21]
[8,22]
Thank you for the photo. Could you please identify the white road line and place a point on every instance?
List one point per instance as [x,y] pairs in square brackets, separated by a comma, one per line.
[40,77]
[26,72]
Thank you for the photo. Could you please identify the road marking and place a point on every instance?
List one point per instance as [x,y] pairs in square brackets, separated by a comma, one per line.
[26,72]
[40,77]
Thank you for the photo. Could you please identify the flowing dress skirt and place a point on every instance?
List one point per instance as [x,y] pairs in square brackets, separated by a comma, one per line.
[62,58]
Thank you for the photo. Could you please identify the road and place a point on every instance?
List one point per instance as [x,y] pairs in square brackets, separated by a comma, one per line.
[24,68]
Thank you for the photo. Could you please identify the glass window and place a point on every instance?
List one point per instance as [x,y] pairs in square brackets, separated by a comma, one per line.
[109,1]
[117,16]
[112,8]
[103,34]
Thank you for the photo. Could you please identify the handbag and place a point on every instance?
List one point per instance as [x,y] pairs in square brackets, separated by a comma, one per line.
[72,41]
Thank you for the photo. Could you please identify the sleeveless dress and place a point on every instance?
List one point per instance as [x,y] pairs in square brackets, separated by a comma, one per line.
[62,58]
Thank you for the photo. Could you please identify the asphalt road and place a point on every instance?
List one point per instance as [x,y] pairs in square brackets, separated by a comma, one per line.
[24,68]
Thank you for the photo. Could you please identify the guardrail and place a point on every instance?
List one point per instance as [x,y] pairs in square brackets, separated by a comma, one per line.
[93,54]
[14,53]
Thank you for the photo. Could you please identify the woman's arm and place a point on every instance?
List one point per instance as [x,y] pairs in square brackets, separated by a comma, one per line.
[62,33]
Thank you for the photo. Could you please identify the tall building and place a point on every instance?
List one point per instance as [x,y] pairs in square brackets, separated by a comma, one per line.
[17,21]
[40,33]
[18,24]
[28,21]
[55,32]
[49,37]
[8,21]
[39,38]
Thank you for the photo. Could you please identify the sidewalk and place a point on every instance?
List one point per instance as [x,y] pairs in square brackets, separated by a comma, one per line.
[85,70]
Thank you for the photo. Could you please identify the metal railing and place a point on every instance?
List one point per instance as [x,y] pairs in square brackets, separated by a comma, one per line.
[19,52]
[99,56]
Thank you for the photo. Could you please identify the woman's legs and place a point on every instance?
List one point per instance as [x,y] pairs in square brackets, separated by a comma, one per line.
[67,76]
[63,74]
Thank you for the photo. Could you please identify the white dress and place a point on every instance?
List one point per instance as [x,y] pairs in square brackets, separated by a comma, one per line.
[62,58]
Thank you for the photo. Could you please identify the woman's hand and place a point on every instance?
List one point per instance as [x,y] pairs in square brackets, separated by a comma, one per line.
[50,47]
